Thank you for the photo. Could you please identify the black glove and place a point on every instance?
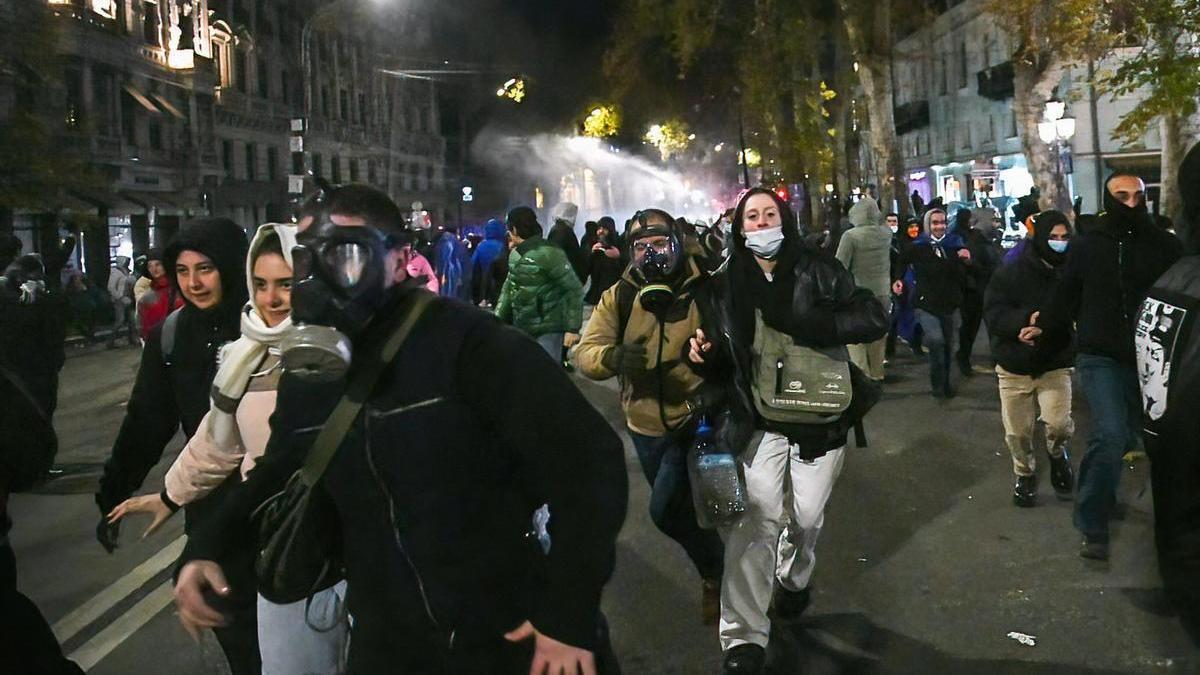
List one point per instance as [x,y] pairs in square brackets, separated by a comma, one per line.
[107,534]
[625,359]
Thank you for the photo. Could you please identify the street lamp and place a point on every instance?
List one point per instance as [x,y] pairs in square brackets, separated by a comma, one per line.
[1057,131]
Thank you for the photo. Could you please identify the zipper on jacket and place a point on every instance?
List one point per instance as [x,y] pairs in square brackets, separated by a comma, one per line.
[1121,282]
[779,377]
[396,528]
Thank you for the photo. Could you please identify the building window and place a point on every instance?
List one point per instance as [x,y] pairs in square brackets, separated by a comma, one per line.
[250,168]
[156,136]
[150,23]
[989,130]
[1012,124]
[372,175]
[335,173]
[272,163]
[965,130]
[941,74]
[227,157]
[316,164]
[962,64]
[325,102]
[354,171]
[243,70]
[362,109]
[264,79]
[344,104]
[74,113]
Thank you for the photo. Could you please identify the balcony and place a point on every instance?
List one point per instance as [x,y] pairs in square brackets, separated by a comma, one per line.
[996,83]
[911,116]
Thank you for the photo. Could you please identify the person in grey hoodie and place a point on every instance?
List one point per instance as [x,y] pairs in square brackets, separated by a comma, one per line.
[865,250]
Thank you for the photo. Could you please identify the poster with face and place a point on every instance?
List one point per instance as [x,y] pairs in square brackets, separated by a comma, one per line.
[1155,336]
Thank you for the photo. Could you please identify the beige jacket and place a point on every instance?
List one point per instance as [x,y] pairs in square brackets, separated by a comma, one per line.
[203,465]
[639,394]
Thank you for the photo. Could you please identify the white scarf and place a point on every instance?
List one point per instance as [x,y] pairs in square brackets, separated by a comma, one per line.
[240,358]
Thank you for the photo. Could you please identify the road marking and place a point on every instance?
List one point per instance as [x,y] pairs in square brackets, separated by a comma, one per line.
[79,618]
[123,626]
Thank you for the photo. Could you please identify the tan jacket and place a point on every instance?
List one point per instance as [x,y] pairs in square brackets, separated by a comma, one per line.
[639,394]
[203,465]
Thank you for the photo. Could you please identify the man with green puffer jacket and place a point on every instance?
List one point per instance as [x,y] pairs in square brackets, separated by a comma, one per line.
[542,297]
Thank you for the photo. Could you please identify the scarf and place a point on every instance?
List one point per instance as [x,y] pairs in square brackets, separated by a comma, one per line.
[240,359]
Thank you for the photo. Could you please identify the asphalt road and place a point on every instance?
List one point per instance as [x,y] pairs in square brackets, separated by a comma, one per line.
[924,565]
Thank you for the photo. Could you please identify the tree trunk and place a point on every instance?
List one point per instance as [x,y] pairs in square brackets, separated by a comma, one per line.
[1033,86]
[1174,146]
[873,54]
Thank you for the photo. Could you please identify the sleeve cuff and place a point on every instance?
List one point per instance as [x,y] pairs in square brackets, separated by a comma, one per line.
[168,501]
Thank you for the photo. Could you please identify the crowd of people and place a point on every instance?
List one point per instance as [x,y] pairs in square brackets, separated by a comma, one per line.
[363,490]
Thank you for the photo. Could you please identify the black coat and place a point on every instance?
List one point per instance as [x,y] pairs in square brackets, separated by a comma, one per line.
[603,272]
[166,396]
[813,299]
[1108,271]
[563,236]
[1016,291]
[469,429]
[941,280]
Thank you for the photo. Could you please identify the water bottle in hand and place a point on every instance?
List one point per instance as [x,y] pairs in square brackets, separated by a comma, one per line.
[718,492]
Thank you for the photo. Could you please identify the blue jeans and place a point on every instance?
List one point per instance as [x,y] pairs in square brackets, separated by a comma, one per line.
[664,463]
[552,343]
[941,334]
[1115,404]
[309,636]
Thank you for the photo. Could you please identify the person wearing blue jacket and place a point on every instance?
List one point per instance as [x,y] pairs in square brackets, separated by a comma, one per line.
[494,245]
[452,264]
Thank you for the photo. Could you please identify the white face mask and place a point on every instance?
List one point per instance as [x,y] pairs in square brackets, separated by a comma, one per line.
[765,243]
[1058,246]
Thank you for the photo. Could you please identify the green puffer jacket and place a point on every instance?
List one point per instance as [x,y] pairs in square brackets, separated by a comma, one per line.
[542,294]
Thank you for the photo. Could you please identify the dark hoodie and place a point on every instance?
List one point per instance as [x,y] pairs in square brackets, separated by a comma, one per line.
[812,298]
[172,390]
[1106,276]
[1017,291]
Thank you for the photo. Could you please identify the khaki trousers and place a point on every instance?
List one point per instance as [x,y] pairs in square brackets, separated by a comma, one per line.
[869,357]
[1020,398]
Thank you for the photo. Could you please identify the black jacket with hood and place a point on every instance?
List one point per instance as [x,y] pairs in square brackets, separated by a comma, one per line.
[467,431]
[1108,272]
[1015,292]
[812,298]
[173,392]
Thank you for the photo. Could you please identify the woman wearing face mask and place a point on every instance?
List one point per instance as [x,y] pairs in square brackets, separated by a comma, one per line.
[1034,366]
[308,636]
[779,286]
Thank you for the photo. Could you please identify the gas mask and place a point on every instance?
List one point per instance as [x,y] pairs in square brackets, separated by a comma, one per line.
[657,257]
[339,283]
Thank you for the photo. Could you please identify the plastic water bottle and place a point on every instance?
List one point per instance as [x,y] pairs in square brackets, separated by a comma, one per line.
[718,492]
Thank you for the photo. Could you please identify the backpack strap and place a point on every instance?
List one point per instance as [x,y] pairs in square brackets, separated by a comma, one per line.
[626,295]
[167,340]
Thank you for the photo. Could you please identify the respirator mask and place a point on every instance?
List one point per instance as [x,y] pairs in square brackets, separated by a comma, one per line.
[657,257]
[339,277]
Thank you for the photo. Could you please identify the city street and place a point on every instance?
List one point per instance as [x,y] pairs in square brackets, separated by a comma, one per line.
[924,565]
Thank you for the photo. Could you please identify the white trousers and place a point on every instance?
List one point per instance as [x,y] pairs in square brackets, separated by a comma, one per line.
[777,538]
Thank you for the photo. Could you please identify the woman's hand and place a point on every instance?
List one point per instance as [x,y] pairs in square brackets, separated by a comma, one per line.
[550,655]
[152,504]
[700,345]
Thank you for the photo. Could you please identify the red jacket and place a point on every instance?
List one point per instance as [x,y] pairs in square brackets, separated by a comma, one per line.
[156,304]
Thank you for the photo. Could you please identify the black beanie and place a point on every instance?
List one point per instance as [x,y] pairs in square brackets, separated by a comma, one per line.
[524,222]
[224,242]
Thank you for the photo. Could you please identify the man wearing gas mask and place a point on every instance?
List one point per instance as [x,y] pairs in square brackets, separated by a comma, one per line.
[435,483]
[1107,274]
[639,333]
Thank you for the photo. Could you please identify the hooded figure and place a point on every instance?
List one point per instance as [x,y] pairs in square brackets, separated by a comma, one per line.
[494,245]
[452,264]
[605,260]
[562,235]
[866,251]
[1107,275]
[171,391]
[158,297]
[1168,353]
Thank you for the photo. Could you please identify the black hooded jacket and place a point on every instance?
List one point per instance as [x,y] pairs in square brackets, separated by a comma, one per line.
[812,298]
[173,391]
[1017,291]
[1108,272]
[466,432]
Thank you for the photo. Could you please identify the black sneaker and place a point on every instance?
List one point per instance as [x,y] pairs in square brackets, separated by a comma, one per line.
[789,606]
[1025,491]
[1062,476]
[1093,548]
[742,659]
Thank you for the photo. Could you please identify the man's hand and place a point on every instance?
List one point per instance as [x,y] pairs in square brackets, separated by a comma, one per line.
[1028,334]
[551,656]
[612,251]
[152,504]
[570,339]
[700,345]
[964,254]
[898,287]
[107,534]
[195,613]
[1033,318]
[625,359]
